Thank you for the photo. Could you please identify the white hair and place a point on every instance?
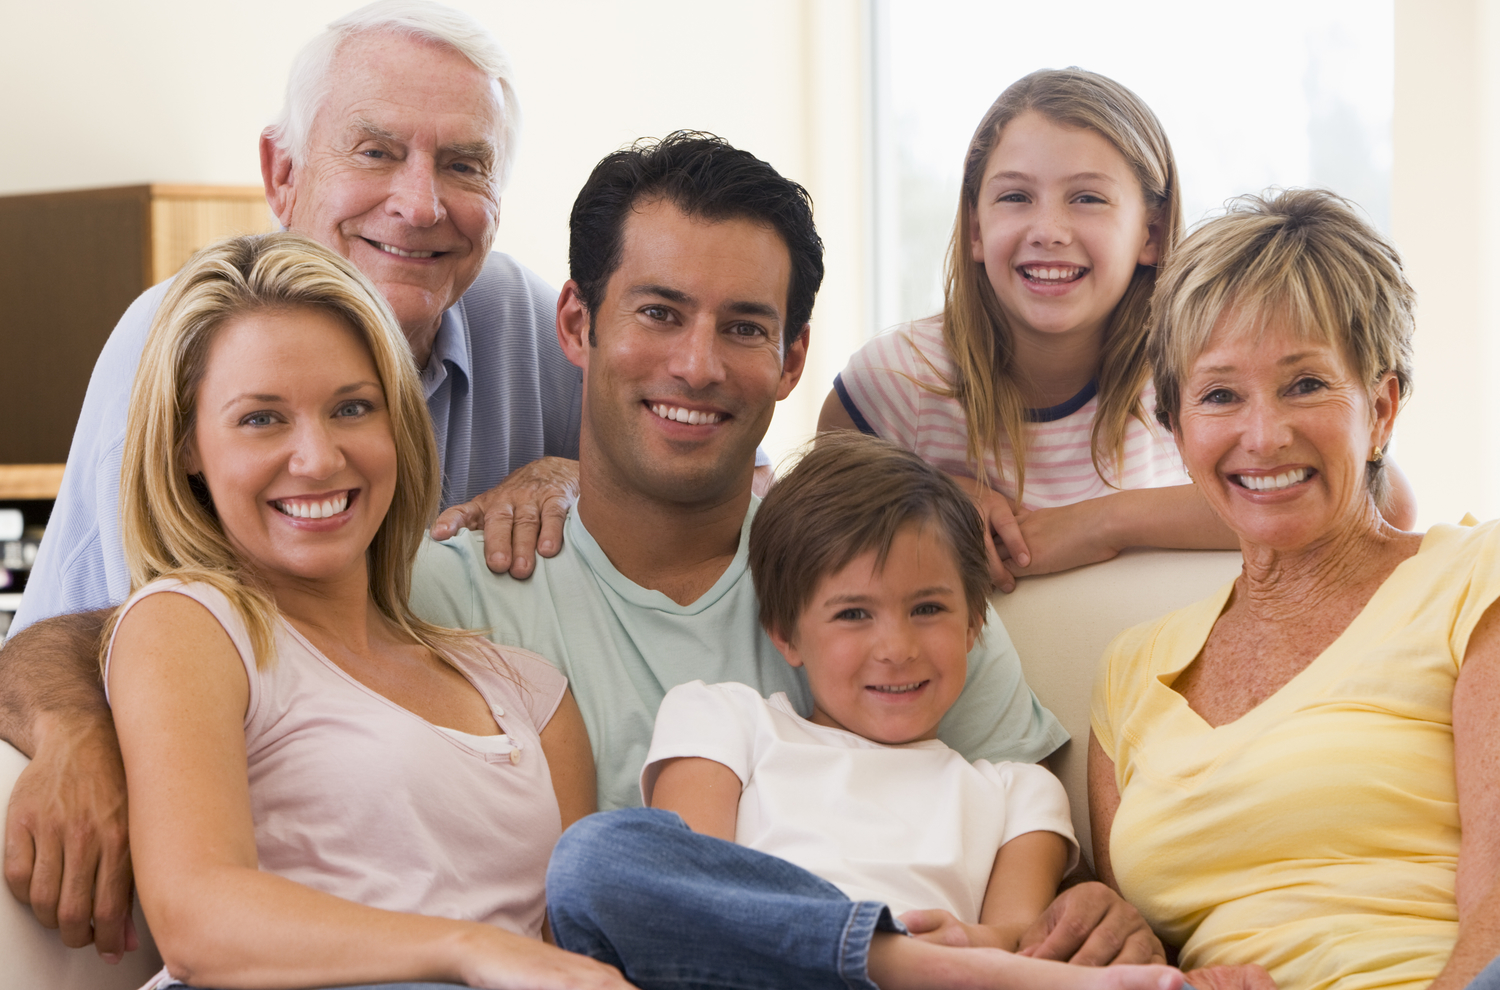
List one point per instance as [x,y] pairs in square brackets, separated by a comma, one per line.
[308,85]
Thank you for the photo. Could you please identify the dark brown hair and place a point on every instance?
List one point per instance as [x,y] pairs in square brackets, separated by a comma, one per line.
[851,494]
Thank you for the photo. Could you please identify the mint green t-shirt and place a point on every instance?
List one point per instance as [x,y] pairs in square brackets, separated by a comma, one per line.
[622,647]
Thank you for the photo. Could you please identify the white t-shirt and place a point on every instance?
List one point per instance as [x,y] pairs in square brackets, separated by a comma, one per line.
[912,826]
[886,391]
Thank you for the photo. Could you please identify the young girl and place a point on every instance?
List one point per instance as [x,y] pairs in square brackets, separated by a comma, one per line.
[1033,380]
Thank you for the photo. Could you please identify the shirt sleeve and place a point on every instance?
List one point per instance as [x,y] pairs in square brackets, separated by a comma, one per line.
[710,721]
[997,717]
[880,387]
[541,685]
[1483,589]
[441,590]
[80,565]
[1035,801]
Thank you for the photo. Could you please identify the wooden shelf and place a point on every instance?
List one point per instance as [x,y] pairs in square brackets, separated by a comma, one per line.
[70,262]
[29,481]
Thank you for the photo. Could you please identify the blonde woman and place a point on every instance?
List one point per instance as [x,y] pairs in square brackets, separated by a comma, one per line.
[324,790]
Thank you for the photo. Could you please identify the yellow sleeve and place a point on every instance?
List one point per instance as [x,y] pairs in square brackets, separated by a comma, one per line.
[1483,587]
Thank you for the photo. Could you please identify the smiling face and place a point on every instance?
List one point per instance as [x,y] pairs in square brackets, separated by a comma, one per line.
[1276,429]
[886,649]
[1060,226]
[401,175]
[297,454]
[686,362]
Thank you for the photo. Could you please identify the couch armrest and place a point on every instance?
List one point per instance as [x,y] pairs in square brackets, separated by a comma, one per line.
[1061,624]
[32,956]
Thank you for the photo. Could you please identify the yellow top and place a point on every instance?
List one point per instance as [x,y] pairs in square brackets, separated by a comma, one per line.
[1317,834]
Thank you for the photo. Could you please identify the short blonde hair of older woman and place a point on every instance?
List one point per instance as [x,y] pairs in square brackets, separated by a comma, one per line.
[1303,256]
[167,521]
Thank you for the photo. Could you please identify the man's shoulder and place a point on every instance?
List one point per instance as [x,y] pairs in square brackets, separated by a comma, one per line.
[504,289]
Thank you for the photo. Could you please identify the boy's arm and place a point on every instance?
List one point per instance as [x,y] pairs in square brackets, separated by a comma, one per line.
[705,793]
[1022,882]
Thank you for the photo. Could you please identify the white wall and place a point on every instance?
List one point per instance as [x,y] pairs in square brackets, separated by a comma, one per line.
[101,93]
[1445,215]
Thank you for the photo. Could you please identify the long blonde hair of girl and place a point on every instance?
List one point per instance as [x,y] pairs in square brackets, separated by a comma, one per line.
[976,329]
[167,520]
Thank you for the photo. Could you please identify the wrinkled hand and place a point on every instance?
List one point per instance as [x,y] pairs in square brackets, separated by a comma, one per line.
[1063,538]
[1091,925]
[66,845]
[1231,978]
[941,927]
[522,516]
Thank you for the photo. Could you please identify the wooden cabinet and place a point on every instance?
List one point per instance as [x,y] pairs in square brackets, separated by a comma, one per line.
[70,263]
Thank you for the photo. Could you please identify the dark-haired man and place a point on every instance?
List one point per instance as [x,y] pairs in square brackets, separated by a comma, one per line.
[694,270]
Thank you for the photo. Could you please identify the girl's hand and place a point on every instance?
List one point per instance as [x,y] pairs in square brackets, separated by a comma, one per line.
[502,960]
[1003,542]
[1065,537]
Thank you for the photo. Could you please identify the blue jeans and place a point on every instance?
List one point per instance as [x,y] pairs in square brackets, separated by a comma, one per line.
[674,909]
[1488,978]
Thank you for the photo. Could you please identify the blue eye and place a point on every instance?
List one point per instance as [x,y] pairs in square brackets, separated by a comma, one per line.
[357,407]
[262,418]
[1307,385]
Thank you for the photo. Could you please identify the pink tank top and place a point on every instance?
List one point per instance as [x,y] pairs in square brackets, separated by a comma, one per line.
[356,796]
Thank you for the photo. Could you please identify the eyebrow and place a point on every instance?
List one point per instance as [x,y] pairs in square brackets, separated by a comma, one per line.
[273,397]
[1075,177]
[738,307]
[1290,359]
[481,150]
[936,589]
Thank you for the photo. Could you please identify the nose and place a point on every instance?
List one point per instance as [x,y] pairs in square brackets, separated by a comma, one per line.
[897,643]
[695,356]
[414,195]
[1267,429]
[316,454]
[1050,225]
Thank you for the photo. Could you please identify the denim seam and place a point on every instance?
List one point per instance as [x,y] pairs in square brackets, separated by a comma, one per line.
[865,916]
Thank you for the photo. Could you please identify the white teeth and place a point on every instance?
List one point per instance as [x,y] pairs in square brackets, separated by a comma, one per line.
[692,417]
[1272,483]
[897,688]
[1062,274]
[388,249]
[305,509]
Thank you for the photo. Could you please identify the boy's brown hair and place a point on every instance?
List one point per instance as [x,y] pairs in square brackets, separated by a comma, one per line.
[851,494]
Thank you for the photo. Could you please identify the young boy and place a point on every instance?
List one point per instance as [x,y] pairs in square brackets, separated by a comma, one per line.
[871,573]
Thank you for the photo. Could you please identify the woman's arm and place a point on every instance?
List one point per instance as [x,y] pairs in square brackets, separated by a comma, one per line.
[1104,801]
[565,740]
[705,793]
[179,693]
[1476,763]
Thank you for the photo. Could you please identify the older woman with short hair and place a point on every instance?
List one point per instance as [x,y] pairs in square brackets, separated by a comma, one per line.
[1297,773]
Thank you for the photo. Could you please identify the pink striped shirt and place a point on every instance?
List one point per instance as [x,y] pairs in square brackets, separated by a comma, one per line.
[883,391]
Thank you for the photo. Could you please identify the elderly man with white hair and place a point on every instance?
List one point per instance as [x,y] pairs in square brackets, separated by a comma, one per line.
[397,138]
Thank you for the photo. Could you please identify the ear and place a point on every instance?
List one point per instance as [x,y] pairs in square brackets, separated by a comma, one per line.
[1387,402]
[276,176]
[189,457]
[1151,250]
[573,324]
[976,236]
[973,635]
[793,364]
[787,647]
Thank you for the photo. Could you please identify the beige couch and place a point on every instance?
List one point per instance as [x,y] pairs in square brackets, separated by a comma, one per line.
[1060,624]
